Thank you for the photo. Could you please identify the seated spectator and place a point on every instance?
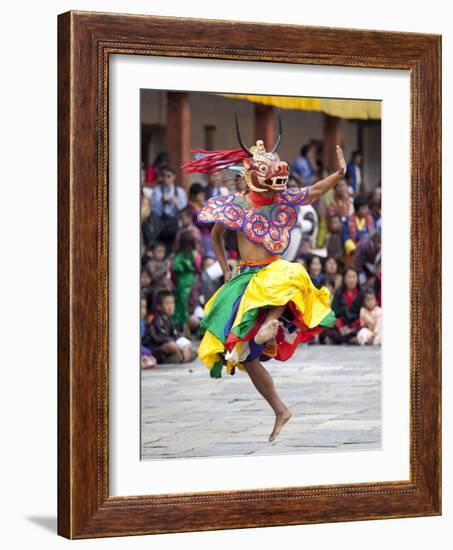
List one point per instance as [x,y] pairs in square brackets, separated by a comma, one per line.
[315,271]
[194,307]
[304,168]
[367,252]
[354,172]
[378,282]
[167,200]
[143,314]
[216,186]
[333,243]
[331,290]
[370,320]
[197,199]
[341,205]
[346,305]
[154,169]
[151,224]
[357,225]
[147,359]
[157,268]
[186,224]
[162,337]
[147,255]
[185,269]
[145,287]
[331,275]
[209,283]
[375,204]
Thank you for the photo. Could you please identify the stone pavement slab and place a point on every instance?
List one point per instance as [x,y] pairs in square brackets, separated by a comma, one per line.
[334,393]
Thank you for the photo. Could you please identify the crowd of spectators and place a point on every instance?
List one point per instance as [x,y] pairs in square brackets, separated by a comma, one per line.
[338,239]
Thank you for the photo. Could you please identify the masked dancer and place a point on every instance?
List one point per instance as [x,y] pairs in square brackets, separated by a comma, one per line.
[270,306]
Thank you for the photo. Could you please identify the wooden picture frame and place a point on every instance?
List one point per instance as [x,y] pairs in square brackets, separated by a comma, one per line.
[85,42]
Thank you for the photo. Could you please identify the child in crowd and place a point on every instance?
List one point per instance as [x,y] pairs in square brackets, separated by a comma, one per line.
[157,268]
[367,253]
[370,319]
[167,344]
[197,199]
[186,224]
[147,255]
[357,225]
[331,275]
[375,204]
[209,282]
[184,280]
[331,290]
[216,185]
[333,243]
[378,283]
[146,288]
[145,317]
[185,269]
[341,204]
[147,359]
[151,224]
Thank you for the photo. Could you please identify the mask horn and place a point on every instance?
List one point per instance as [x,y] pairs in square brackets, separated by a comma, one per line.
[279,137]
[238,133]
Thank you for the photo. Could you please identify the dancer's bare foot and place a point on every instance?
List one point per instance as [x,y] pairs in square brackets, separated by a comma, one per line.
[280,420]
[267,332]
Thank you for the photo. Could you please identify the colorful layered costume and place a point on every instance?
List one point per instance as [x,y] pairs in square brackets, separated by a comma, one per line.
[237,310]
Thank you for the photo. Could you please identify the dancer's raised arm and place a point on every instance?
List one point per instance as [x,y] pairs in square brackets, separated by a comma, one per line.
[319,188]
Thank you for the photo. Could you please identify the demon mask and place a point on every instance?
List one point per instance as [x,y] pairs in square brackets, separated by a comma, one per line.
[263,170]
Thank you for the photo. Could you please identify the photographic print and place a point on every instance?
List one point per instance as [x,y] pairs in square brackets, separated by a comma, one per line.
[220,275]
[260,275]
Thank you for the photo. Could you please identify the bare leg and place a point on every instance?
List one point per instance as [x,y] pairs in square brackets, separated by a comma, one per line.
[274,312]
[265,385]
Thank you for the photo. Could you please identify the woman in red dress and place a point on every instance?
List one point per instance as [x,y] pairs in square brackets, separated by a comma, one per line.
[346,305]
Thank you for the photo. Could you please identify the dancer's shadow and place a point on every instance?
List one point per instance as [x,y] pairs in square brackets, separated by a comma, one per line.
[46,522]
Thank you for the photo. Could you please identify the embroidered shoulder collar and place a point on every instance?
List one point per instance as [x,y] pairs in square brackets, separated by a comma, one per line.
[268,225]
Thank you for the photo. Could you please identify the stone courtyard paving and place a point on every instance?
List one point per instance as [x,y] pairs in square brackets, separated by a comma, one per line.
[334,393]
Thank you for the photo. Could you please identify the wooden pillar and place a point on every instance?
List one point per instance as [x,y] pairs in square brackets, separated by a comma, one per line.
[332,136]
[264,125]
[177,135]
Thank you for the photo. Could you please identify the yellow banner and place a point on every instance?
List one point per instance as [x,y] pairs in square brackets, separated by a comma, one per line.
[343,108]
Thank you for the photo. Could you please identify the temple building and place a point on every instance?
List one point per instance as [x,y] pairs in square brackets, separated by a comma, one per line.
[177,122]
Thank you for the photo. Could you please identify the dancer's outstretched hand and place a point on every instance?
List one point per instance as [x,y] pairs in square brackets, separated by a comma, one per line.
[340,161]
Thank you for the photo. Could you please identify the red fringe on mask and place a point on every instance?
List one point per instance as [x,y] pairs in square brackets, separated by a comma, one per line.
[214,161]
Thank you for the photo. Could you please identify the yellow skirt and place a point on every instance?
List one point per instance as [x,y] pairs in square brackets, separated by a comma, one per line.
[236,311]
